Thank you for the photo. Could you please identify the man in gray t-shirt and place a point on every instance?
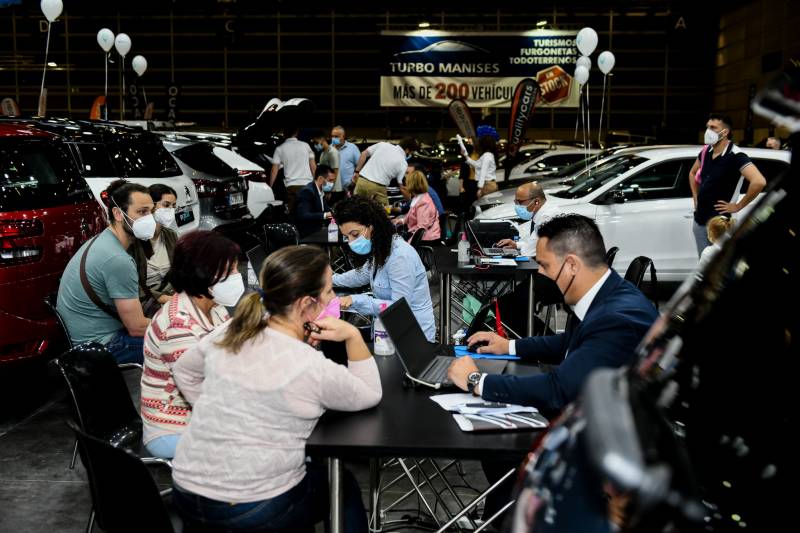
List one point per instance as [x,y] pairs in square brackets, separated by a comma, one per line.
[120,323]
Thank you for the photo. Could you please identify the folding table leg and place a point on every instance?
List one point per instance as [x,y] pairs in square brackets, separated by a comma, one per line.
[336,495]
[374,494]
[419,492]
[475,502]
[450,489]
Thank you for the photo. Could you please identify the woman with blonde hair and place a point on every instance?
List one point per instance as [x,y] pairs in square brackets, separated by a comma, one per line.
[258,388]
[422,213]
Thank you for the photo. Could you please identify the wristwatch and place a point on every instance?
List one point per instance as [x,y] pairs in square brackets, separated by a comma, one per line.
[473,380]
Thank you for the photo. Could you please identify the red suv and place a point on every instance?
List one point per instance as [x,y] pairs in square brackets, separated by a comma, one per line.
[46,212]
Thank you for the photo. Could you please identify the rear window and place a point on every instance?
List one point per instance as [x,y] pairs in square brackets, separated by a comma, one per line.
[94,160]
[142,159]
[201,157]
[36,174]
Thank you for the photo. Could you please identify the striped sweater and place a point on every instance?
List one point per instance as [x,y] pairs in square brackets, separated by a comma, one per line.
[177,326]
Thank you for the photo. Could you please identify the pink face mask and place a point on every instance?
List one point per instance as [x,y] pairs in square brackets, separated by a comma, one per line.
[333,309]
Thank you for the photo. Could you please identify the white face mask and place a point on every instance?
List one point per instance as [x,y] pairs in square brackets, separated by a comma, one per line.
[143,228]
[711,137]
[228,292]
[165,216]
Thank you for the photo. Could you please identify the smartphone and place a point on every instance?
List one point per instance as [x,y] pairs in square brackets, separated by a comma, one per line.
[311,327]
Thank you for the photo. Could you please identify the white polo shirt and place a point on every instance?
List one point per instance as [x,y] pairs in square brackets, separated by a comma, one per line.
[386,161]
[295,156]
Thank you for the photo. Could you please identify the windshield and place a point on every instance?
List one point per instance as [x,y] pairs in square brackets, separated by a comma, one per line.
[142,159]
[595,177]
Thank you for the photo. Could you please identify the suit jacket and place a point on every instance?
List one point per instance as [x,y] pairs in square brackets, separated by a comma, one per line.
[616,321]
[308,212]
[424,215]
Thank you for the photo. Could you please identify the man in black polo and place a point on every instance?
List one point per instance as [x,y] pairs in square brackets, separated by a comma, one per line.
[721,167]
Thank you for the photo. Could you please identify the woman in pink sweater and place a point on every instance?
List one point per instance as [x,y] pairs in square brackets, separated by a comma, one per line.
[257,388]
[422,213]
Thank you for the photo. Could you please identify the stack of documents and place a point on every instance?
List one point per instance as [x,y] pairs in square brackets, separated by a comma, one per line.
[475,414]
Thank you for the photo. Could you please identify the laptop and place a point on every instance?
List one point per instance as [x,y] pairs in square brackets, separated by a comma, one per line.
[256,256]
[489,251]
[425,363]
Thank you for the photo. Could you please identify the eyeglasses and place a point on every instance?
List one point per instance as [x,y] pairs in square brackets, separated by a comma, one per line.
[524,202]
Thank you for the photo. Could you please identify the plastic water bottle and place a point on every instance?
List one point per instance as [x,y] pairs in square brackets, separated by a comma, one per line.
[383,344]
[463,249]
[333,231]
[458,336]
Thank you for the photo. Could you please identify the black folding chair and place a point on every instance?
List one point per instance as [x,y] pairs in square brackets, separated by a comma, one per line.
[125,498]
[636,272]
[277,236]
[610,255]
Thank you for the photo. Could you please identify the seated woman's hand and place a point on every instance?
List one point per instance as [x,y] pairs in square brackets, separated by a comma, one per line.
[345,302]
[334,329]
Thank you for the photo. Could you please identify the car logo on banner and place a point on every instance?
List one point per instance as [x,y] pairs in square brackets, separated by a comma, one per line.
[554,84]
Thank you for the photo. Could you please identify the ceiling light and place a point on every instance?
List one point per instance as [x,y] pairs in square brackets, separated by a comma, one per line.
[52,64]
[541,23]
[424,24]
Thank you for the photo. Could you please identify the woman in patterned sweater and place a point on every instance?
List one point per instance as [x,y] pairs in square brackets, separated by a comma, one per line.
[205,277]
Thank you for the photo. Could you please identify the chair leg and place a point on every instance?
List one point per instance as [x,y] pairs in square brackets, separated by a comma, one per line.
[74,455]
[90,525]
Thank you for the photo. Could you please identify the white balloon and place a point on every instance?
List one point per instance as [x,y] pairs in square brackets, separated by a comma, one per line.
[123,44]
[585,62]
[52,9]
[606,61]
[105,38]
[586,41]
[581,74]
[139,65]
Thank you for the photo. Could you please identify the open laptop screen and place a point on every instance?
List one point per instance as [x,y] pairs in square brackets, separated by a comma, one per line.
[413,349]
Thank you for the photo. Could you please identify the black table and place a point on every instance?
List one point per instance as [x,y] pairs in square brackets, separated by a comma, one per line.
[448,266]
[406,424]
[320,238]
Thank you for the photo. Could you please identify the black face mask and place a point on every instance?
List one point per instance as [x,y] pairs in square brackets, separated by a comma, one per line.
[565,291]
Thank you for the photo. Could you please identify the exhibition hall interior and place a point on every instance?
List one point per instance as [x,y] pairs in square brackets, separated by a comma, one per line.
[365,267]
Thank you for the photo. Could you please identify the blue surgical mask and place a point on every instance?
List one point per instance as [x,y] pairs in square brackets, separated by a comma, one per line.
[318,147]
[327,187]
[522,212]
[335,141]
[361,245]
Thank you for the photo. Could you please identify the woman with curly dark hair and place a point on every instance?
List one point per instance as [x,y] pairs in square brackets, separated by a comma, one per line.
[393,270]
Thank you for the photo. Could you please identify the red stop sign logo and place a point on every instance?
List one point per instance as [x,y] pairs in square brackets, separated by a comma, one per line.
[554,84]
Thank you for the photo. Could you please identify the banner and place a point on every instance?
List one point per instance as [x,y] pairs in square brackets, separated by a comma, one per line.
[462,116]
[525,97]
[432,68]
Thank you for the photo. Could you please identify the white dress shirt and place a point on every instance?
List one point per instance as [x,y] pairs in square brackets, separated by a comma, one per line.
[527,231]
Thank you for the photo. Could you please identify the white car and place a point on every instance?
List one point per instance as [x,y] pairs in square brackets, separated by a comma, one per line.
[642,204]
[548,162]
[108,151]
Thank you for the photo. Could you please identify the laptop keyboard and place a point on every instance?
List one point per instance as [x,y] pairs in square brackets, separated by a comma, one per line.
[437,371]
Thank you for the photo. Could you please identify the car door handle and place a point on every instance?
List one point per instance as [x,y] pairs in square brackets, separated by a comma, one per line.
[688,216]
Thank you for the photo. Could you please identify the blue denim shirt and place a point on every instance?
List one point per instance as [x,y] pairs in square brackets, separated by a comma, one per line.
[348,159]
[403,276]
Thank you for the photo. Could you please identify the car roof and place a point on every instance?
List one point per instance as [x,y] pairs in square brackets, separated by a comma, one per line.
[88,130]
[694,150]
[14,128]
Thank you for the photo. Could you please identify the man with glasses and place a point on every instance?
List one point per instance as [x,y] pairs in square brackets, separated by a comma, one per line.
[531,206]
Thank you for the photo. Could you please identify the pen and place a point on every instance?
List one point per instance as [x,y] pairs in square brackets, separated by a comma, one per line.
[488,404]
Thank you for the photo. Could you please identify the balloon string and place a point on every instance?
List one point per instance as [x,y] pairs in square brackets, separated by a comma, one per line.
[105,92]
[602,108]
[144,95]
[44,70]
[580,112]
[123,89]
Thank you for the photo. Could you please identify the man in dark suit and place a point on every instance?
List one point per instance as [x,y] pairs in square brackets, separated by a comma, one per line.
[611,317]
[311,207]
